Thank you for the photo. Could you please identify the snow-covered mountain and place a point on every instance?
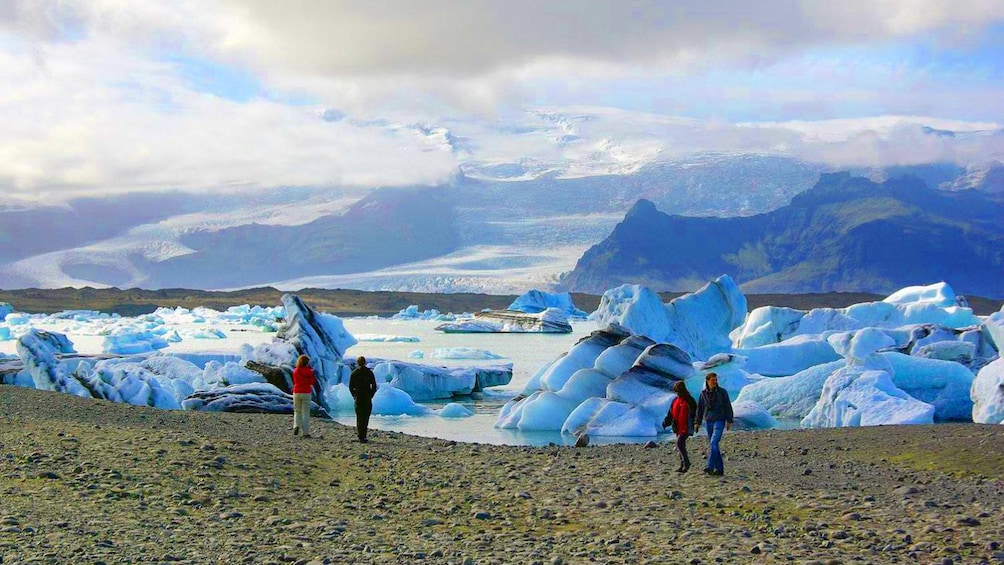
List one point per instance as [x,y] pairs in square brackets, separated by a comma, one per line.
[532,192]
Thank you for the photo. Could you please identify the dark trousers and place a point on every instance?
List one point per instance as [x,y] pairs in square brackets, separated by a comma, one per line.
[363,410]
[681,448]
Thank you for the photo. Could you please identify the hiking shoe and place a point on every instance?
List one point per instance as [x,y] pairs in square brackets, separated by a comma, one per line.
[296,431]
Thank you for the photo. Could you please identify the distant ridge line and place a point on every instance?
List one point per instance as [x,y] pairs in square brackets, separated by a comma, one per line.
[344,302]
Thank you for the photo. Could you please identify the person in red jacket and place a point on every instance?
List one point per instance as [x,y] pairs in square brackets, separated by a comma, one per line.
[681,418]
[303,388]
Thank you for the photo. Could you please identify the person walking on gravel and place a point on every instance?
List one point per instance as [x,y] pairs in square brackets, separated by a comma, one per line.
[303,388]
[362,385]
[714,407]
[681,418]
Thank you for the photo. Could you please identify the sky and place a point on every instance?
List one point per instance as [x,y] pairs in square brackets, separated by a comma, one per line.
[111,96]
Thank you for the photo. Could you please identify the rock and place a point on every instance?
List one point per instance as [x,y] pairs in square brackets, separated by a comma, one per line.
[582,440]
[651,445]
[967,521]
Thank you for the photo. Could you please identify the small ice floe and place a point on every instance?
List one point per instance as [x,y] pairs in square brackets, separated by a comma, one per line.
[454,410]
[463,353]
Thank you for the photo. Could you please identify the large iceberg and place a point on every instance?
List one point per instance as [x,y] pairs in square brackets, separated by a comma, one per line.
[536,301]
[610,383]
[425,382]
[5,308]
[699,323]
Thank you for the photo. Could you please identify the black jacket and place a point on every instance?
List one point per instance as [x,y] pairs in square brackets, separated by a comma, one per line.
[362,384]
[714,406]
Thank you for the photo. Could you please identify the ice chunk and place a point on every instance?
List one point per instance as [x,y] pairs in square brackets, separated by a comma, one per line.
[5,308]
[749,415]
[766,325]
[699,323]
[792,396]
[423,382]
[551,320]
[463,353]
[604,417]
[790,356]
[581,356]
[857,396]
[938,294]
[536,301]
[390,401]
[417,354]
[859,347]
[132,343]
[994,327]
[247,398]
[942,384]
[37,350]
[987,394]
[454,410]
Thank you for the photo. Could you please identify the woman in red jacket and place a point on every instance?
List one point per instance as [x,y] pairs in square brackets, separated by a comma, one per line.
[681,417]
[303,388]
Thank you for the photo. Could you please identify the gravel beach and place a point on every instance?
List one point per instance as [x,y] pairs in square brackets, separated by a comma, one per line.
[86,481]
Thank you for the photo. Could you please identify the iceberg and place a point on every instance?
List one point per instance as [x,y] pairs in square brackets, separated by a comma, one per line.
[551,320]
[699,323]
[943,384]
[133,342]
[609,383]
[536,301]
[853,396]
[938,294]
[993,327]
[987,394]
[789,356]
[255,398]
[463,353]
[424,382]
[38,351]
[749,415]
[5,308]
[390,401]
[793,396]
[454,410]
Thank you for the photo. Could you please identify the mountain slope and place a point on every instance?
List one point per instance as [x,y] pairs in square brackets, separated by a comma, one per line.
[845,234]
[387,227]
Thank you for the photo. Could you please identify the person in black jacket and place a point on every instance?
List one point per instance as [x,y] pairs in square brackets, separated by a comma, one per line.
[715,408]
[362,385]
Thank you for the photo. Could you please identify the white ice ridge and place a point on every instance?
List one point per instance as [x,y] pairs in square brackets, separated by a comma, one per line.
[907,359]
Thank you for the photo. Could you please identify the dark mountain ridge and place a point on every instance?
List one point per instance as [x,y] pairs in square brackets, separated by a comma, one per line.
[846,234]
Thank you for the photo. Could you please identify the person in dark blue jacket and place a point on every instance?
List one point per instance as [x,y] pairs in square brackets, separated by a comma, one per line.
[715,408]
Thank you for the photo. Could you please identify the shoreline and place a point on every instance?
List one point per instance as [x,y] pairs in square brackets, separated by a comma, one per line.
[96,481]
[341,302]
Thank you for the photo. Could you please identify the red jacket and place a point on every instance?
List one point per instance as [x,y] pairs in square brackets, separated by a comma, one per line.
[303,380]
[681,415]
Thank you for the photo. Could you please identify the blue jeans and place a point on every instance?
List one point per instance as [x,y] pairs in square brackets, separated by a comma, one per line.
[715,432]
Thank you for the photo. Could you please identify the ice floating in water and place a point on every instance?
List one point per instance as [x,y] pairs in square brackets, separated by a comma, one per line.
[551,320]
[463,353]
[204,333]
[387,338]
[749,415]
[699,323]
[412,313]
[417,354]
[390,401]
[454,410]
[132,343]
[536,301]
[5,308]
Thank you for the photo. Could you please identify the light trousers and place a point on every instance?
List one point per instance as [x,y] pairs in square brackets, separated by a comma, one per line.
[301,412]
